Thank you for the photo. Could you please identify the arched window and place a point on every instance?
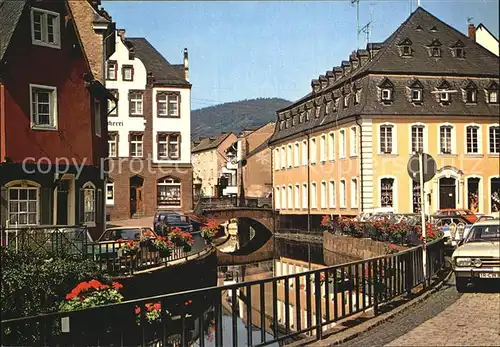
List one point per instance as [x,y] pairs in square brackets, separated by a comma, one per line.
[495,194]
[169,192]
[89,203]
[23,203]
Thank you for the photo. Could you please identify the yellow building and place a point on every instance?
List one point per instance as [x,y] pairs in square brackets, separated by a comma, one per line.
[344,147]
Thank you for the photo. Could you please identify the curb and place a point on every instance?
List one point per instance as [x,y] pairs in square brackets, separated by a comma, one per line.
[354,332]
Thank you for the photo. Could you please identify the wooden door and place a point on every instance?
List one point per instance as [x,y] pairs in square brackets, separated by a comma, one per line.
[447,194]
[139,202]
[133,201]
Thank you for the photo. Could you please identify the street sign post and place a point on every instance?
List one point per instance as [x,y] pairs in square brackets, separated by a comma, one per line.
[422,168]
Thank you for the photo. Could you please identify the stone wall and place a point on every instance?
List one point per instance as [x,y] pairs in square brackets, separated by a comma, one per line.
[361,248]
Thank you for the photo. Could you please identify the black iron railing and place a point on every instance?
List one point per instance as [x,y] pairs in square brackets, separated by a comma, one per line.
[255,313]
[108,256]
[208,203]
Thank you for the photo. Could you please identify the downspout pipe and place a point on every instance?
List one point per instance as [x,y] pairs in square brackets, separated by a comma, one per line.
[361,182]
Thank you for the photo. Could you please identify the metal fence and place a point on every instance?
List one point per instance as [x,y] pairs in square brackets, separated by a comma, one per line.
[255,313]
[108,256]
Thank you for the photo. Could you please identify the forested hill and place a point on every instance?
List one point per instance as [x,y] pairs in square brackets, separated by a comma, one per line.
[234,116]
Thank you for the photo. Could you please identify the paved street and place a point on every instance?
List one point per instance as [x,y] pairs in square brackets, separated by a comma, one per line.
[447,318]
[145,221]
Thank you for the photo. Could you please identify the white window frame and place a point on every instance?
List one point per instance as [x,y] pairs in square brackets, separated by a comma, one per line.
[386,94]
[394,138]
[114,76]
[128,68]
[296,154]
[136,144]
[290,197]
[322,148]
[97,118]
[489,95]
[332,194]
[90,207]
[277,159]
[473,92]
[331,146]
[112,154]
[419,93]
[28,186]
[44,28]
[444,96]
[110,201]
[479,138]
[304,153]
[168,182]
[277,197]
[394,190]
[314,195]
[480,207]
[313,150]
[424,134]
[283,157]
[490,193]
[112,105]
[353,141]
[52,108]
[137,102]
[453,139]
[323,195]
[342,143]
[343,193]
[305,192]
[490,139]
[289,156]
[173,99]
[297,196]
[284,205]
[354,193]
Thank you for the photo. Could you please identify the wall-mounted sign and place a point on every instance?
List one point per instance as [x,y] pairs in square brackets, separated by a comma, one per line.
[115,124]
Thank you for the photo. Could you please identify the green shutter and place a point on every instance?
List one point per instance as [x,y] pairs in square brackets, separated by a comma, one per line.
[45,204]
[4,207]
[81,206]
[99,207]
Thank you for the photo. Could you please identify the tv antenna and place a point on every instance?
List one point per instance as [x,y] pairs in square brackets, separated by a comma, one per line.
[357,20]
[469,19]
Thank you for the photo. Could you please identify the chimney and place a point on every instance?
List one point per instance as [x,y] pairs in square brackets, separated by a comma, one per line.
[121,33]
[186,66]
[472,32]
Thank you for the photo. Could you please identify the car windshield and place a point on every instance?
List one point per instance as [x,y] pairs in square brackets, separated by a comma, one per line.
[124,234]
[484,233]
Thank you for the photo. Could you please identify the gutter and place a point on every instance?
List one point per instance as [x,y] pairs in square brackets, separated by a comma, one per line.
[361,182]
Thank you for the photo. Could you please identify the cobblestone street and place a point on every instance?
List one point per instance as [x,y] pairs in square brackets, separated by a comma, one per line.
[447,318]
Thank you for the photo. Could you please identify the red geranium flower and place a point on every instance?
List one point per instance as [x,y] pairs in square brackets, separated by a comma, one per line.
[117,285]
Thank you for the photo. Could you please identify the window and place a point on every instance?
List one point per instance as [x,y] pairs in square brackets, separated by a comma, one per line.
[342,144]
[89,203]
[417,138]
[294,120]
[43,107]
[386,139]
[406,51]
[459,52]
[354,141]
[277,199]
[313,151]
[128,72]
[314,197]
[472,134]
[111,69]
[345,100]
[444,97]
[493,97]
[112,144]
[331,146]
[471,96]
[436,52]
[283,158]
[416,95]
[323,195]
[296,155]
[331,193]
[354,193]
[357,96]
[135,103]
[289,155]
[322,148]
[495,194]
[342,194]
[169,192]
[45,28]
[304,153]
[416,202]
[473,194]
[304,195]
[290,197]
[387,192]
[167,105]
[23,205]
[494,139]
[112,105]
[386,94]
[277,159]
[110,193]
[297,196]
[168,146]
[318,111]
[136,146]
[97,117]
[283,198]
[445,139]
[329,109]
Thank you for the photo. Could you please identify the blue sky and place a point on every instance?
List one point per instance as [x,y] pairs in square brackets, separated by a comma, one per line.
[248,49]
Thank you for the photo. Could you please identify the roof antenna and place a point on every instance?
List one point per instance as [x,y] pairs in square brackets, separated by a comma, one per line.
[357,20]
[469,19]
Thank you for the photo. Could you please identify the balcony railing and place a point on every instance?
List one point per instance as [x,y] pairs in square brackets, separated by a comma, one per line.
[246,313]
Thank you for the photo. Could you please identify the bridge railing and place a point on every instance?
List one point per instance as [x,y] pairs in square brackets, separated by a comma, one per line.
[207,203]
[253,313]
[109,257]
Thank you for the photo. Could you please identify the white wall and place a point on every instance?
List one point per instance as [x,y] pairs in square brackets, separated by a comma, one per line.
[123,124]
[485,39]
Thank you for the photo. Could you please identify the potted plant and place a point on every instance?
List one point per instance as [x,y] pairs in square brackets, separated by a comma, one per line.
[152,313]
[164,246]
[130,247]
[177,236]
[146,238]
[188,246]
[209,230]
[326,222]
[91,294]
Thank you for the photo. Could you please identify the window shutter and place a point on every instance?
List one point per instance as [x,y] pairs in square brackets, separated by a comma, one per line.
[99,207]
[179,145]
[4,207]
[45,206]
[179,105]
[81,206]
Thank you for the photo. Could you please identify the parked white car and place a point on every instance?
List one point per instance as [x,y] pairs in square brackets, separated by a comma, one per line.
[478,256]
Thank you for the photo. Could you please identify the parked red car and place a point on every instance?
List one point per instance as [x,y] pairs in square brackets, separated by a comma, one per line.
[452,212]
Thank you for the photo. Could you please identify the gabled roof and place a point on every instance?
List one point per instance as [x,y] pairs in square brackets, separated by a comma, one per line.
[211,142]
[163,72]
[10,13]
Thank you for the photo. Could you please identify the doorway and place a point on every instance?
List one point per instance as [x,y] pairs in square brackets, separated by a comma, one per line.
[62,202]
[447,193]
[136,196]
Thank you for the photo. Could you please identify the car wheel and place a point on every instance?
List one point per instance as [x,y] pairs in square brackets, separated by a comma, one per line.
[461,284]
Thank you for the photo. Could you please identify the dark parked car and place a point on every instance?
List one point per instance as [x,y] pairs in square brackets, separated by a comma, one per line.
[169,219]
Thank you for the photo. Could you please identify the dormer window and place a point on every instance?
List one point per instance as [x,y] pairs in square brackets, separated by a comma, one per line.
[436,52]
[492,93]
[282,123]
[346,100]
[329,107]
[416,95]
[294,120]
[435,48]
[317,110]
[459,52]
[433,29]
[357,96]
[288,123]
[405,48]
[308,114]
[470,92]
[443,91]
[387,88]
[386,94]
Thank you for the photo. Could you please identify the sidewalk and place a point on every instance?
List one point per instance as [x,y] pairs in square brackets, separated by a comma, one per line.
[141,222]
